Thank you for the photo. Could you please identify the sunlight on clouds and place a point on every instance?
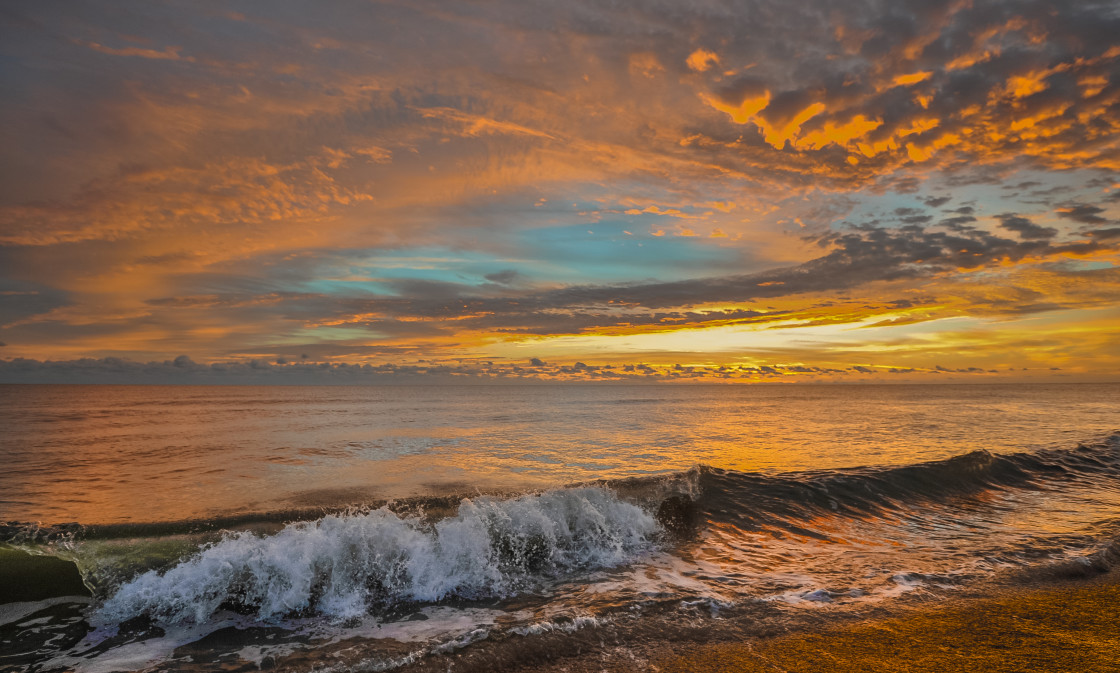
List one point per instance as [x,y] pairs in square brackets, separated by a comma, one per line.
[743,112]
[912,78]
[895,185]
[841,135]
[702,60]
[715,341]
[779,132]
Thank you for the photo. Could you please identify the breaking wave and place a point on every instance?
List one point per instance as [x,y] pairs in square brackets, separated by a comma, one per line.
[346,565]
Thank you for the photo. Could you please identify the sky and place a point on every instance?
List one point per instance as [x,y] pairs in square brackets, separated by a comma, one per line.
[519,190]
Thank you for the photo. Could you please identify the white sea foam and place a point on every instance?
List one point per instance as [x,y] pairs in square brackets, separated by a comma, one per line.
[341,566]
[565,626]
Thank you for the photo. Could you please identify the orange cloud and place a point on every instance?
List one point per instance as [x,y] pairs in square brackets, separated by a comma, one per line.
[777,134]
[1022,86]
[743,112]
[646,64]
[839,134]
[965,61]
[211,195]
[912,78]
[473,125]
[168,54]
[702,60]
[1092,84]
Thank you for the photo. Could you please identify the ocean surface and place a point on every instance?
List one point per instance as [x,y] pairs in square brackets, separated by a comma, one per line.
[374,528]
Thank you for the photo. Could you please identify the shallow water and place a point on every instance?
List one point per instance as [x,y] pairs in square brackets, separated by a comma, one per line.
[371,527]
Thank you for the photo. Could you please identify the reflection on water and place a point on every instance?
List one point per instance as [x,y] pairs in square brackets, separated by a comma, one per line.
[137,453]
[227,541]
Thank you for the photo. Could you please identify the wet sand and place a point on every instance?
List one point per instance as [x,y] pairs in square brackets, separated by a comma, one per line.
[1052,625]
[1074,626]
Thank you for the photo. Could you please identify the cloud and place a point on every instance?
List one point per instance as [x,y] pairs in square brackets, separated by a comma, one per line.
[22,300]
[506,277]
[184,371]
[1108,234]
[1084,213]
[702,60]
[210,197]
[166,54]
[854,258]
[1024,227]
[960,223]
[259,186]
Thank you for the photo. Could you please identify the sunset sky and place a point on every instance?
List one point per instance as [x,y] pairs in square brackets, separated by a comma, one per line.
[521,190]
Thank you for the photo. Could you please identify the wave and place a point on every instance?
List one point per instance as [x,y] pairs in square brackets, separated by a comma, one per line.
[347,563]
[856,491]
[756,500]
[344,566]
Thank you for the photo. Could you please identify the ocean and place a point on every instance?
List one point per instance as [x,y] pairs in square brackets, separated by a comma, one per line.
[448,527]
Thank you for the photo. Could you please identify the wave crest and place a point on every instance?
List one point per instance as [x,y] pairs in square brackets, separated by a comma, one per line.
[343,566]
[755,500]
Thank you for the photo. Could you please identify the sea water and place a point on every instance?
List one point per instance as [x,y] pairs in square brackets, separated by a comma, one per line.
[371,528]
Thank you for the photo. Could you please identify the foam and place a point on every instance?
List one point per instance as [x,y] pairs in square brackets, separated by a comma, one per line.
[344,566]
[560,626]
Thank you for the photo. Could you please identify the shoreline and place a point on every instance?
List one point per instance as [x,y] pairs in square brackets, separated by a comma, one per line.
[1073,625]
[1057,624]
[1064,617]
